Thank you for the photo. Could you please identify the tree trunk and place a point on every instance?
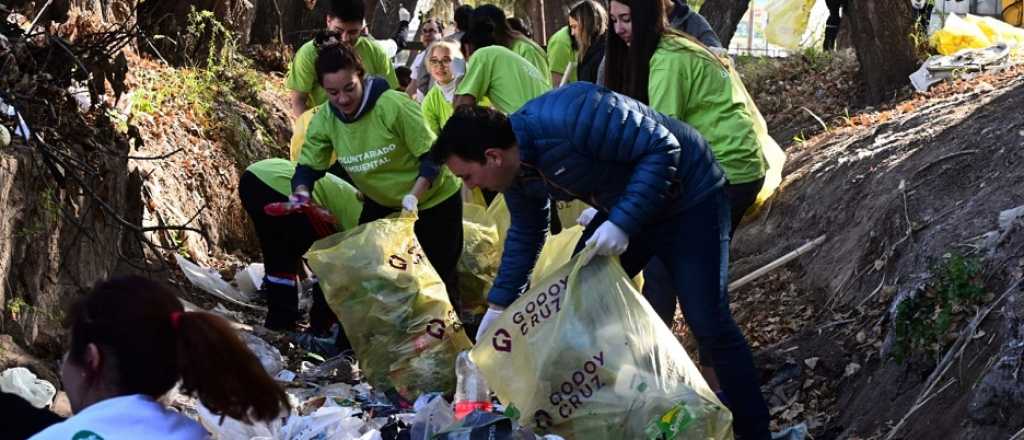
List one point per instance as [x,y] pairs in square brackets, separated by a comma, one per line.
[886,53]
[287,21]
[555,16]
[724,16]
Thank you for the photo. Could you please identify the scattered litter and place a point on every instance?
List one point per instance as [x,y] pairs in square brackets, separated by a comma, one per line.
[329,421]
[796,432]
[227,313]
[851,369]
[285,376]
[227,428]
[942,67]
[22,128]
[1009,216]
[433,414]
[250,278]
[24,383]
[341,368]
[210,281]
[268,355]
[479,424]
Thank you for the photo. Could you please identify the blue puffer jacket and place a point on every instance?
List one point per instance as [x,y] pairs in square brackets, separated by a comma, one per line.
[586,142]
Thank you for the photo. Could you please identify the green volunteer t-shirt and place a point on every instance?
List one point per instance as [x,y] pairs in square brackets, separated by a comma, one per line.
[503,77]
[436,109]
[330,192]
[380,150]
[693,85]
[533,53]
[302,74]
[560,53]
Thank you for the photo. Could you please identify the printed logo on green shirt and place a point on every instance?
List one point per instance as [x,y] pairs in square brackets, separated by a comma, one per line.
[86,435]
[368,160]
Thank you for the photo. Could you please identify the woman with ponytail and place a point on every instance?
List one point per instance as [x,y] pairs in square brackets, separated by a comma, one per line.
[489,26]
[131,342]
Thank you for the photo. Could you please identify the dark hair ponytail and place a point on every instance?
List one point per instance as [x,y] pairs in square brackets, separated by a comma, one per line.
[148,342]
[334,57]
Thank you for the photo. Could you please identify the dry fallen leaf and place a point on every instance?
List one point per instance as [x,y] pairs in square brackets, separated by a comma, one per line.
[811,362]
[851,369]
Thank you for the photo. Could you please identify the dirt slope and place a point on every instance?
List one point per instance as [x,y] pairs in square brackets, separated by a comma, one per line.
[895,192]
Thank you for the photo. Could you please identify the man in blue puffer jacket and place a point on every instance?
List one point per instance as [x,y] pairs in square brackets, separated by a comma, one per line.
[658,191]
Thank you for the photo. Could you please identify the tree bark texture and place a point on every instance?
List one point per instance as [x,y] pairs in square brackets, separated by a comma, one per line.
[724,16]
[881,37]
[292,22]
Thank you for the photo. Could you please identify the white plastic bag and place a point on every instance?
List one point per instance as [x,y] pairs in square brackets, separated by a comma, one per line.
[24,383]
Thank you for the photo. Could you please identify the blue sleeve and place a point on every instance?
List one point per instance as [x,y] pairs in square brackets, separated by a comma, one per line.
[610,127]
[429,169]
[307,176]
[529,215]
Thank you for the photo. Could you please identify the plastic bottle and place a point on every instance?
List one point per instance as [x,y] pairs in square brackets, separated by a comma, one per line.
[471,391]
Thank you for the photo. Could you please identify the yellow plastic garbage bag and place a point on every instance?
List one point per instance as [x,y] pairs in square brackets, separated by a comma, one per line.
[788,22]
[498,212]
[999,32]
[393,306]
[299,128]
[479,262]
[556,252]
[959,34]
[569,212]
[776,159]
[583,355]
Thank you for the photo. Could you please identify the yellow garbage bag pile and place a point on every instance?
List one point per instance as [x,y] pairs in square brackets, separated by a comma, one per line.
[393,306]
[584,356]
[973,32]
[478,264]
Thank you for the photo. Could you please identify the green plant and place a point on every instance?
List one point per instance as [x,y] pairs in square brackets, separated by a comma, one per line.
[16,305]
[800,138]
[925,323]
[48,212]
[818,59]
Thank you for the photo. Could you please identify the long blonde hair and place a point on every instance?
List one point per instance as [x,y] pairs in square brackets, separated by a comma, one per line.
[592,19]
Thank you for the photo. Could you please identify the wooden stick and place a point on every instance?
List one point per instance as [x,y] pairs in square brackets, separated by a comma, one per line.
[775,264]
[966,335]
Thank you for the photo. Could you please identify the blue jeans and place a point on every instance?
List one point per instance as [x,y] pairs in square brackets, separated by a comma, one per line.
[694,247]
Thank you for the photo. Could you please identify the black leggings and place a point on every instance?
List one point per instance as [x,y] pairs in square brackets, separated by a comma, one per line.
[741,197]
[283,241]
[439,231]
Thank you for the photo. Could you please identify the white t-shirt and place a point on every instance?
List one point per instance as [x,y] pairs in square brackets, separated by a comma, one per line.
[125,418]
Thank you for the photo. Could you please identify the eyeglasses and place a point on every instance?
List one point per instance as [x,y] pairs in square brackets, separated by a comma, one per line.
[439,62]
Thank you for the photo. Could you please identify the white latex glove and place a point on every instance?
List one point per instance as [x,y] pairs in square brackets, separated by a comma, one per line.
[410,203]
[299,198]
[488,320]
[586,216]
[609,239]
